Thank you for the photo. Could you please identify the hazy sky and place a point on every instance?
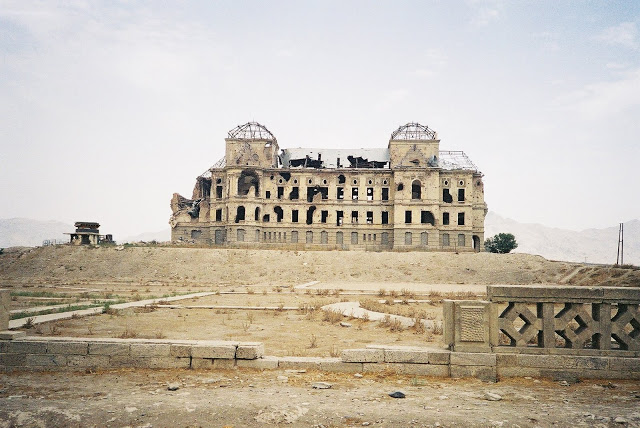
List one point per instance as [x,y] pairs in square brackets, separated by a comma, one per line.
[108,108]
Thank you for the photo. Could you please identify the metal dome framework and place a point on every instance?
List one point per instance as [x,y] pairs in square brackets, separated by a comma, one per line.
[414,131]
[251,131]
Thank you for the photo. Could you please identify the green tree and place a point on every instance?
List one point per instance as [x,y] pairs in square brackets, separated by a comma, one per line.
[502,243]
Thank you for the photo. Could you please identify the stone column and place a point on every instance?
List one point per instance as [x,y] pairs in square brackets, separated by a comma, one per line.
[5,302]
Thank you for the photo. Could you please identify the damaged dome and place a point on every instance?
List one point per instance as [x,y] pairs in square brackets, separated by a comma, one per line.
[251,131]
[414,131]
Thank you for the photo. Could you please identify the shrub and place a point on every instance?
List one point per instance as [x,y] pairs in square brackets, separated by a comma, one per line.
[502,243]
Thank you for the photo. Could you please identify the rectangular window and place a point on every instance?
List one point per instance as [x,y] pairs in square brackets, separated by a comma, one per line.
[219,214]
[294,216]
[241,235]
[324,237]
[384,238]
[407,217]
[354,237]
[385,193]
[445,218]
[461,240]
[445,239]
[294,237]
[385,217]
[268,194]
[340,192]
[354,193]
[219,192]
[369,217]
[295,193]
[369,193]
[339,238]
[339,217]
[354,216]
[323,216]
[460,195]
[309,237]
[446,196]
[280,192]
[460,219]
[408,238]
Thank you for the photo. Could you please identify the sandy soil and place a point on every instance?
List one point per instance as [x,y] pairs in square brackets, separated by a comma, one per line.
[242,398]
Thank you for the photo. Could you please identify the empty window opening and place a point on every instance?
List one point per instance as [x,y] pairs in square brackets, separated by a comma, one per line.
[279,236]
[385,217]
[369,193]
[310,212]
[284,236]
[256,214]
[461,240]
[385,193]
[323,216]
[280,192]
[279,213]
[354,216]
[339,238]
[219,214]
[195,234]
[270,236]
[294,216]
[205,187]
[445,218]
[369,217]
[445,239]
[324,237]
[294,237]
[354,193]
[400,187]
[312,192]
[248,180]
[408,238]
[219,192]
[461,219]
[267,194]
[309,237]
[257,235]
[264,237]
[339,218]
[424,239]
[266,218]
[340,193]
[295,193]
[285,175]
[341,179]
[364,237]
[407,216]
[460,195]
[374,237]
[426,217]
[240,214]
[240,235]
[446,196]
[354,238]
[476,243]
[416,189]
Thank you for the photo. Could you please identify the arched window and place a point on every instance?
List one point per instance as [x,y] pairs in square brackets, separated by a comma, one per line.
[240,214]
[416,189]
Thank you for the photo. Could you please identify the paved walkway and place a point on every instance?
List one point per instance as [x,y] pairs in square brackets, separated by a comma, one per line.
[39,319]
[353,309]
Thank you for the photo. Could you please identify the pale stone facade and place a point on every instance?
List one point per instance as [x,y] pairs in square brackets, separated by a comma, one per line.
[410,195]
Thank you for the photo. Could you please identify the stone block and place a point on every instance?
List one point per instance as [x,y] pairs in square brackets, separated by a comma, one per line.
[178,350]
[227,351]
[363,356]
[123,361]
[511,371]
[147,350]
[266,363]
[13,359]
[439,358]
[85,361]
[420,369]
[201,363]
[46,360]
[27,347]
[112,349]
[484,373]
[335,365]
[162,363]
[449,323]
[473,359]
[406,356]
[5,308]
[224,364]
[249,351]
[563,362]
[11,334]
[624,364]
[300,363]
[506,360]
[68,348]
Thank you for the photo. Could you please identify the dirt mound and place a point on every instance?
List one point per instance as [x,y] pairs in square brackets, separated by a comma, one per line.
[208,266]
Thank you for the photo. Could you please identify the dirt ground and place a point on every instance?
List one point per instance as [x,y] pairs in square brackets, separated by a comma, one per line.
[241,398]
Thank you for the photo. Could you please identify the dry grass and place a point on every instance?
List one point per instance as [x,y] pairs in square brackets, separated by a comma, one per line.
[331,316]
[313,341]
[128,333]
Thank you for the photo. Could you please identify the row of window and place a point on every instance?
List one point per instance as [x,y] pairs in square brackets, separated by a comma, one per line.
[426,217]
[355,236]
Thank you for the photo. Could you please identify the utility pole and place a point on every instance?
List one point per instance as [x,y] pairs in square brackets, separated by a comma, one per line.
[620,257]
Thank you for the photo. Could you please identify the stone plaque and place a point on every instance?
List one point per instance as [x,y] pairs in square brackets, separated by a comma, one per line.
[471,324]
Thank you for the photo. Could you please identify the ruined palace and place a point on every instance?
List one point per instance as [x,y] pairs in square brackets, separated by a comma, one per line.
[410,195]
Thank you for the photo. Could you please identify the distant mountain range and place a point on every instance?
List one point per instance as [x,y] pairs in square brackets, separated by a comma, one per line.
[590,245]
